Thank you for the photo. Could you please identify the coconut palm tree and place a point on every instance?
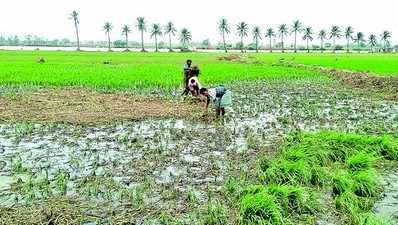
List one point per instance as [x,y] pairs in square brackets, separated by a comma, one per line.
[296,28]
[125,31]
[108,28]
[256,35]
[359,38]
[308,37]
[282,29]
[348,36]
[223,28]
[155,32]
[270,34]
[170,30]
[75,17]
[322,35]
[372,42]
[141,25]
[185,37]
[385,36]
[242,29]
[335,33]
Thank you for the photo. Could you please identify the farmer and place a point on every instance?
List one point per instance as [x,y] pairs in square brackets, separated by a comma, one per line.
[220,96]
[186,71]
[192,84]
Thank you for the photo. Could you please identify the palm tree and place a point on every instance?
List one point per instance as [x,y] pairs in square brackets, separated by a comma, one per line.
[282,29]
[372,42]
[125,31]
[155,32]
[322,36]
[223,28]
[256,35]
[270,34]
[296,28]
[335,33]
[75,17]
[359,39]
[308,36]
[385,36]
[107,28]
[185,37]
[242,29]
[141,25]
[170,30]
[348,36]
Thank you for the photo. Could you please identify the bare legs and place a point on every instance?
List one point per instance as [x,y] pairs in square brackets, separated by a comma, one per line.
[220,112]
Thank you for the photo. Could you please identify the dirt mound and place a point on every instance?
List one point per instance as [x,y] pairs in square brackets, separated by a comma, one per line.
[386,85]
[86,106]
[232,58]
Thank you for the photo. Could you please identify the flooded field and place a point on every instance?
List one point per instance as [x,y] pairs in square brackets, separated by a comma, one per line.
[178,169]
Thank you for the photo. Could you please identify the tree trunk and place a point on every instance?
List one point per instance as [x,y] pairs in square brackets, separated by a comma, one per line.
[270,44]
[223,40]
[256,45]
[156,43]
[321,45]
[170,50]
[241,44]
[334,44]
[142,41]
[127,42]
[295,41]
[308,47]
[359,47]
[348,45]
[77,36]
[283,49]
[109,42]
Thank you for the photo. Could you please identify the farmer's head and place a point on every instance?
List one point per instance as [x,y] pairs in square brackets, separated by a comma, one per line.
[189,62]
[204,91]
[195,71]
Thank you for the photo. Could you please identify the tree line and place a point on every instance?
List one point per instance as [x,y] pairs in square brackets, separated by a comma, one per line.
[242,30]
[354,40]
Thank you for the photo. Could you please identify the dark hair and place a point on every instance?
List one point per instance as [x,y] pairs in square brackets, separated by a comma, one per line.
[189,61]
[202,91]
[195,71]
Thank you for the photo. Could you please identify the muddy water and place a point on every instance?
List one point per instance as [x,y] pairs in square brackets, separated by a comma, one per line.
[387,206]
[158,161]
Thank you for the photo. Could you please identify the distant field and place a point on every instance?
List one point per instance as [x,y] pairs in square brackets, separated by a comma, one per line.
[380,64]
[129,69]
[138,70]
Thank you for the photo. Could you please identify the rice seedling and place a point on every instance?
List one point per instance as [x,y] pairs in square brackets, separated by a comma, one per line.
[260,208]
[361,161]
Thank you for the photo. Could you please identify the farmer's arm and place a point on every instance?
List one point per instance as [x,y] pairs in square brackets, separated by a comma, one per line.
[207,103]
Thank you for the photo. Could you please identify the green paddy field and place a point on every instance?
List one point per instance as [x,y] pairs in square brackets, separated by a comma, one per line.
[96,138]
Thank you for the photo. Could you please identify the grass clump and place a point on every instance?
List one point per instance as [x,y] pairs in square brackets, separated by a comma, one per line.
[361,161]
[260,208]
[345,162]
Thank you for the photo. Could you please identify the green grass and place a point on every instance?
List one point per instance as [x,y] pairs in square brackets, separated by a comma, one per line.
[308,162]
[379,64]
[132,70]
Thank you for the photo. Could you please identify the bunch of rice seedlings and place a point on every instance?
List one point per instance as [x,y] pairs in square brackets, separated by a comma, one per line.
[271,203]
[365,183]
[361,161]
[260,208]
[342,182]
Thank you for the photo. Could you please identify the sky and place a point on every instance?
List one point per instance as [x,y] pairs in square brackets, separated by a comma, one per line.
[49,18]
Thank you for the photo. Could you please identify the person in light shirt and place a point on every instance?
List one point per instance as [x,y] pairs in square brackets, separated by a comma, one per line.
[220,96]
